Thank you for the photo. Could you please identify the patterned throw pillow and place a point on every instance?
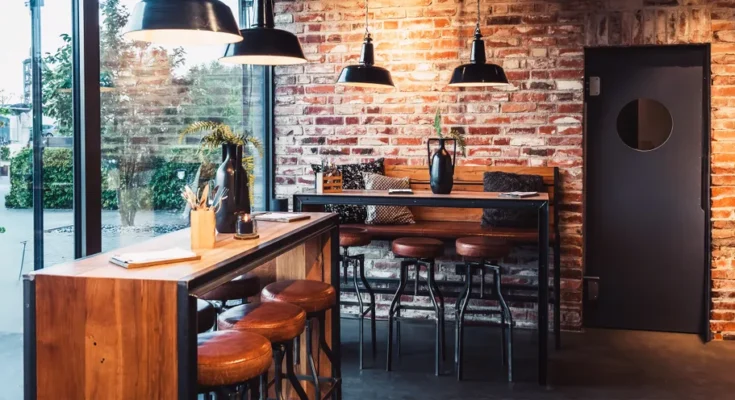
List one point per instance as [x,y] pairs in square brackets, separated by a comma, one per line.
[352,180]
[387,215]
[507,182]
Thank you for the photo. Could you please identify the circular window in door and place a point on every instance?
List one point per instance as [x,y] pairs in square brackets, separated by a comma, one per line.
[644,124]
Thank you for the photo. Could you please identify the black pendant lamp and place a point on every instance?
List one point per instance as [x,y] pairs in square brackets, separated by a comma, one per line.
[366,74]
[478,73]
[183,22]
[263,44]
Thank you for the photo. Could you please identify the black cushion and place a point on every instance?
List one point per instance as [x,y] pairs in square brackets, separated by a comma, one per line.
[507,182]
[352,180]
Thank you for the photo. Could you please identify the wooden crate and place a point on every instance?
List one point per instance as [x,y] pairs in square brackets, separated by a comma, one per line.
[328,184]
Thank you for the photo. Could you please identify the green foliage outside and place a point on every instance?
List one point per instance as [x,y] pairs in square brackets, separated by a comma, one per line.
[56,78]
[162,193]
[4,153]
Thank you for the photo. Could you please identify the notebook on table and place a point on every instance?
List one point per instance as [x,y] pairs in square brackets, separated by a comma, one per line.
[281,217]
[151,258]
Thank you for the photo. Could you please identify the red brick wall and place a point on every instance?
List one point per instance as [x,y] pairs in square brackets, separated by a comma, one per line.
[537,122]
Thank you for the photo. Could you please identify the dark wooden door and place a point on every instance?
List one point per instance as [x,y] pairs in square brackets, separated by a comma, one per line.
[646,188]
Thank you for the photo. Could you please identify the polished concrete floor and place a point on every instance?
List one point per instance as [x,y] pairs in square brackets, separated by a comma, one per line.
[596,364]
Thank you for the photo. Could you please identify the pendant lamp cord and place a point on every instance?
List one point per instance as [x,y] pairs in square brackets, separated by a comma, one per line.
[367,11]
[477,27]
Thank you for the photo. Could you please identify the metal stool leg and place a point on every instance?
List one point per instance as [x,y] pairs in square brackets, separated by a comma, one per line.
[291,374]
[391,312]
[372,306]
[441,306]
[459,352]
[278,371]
[361,315]
[438,314]
[310,357]
[506,310]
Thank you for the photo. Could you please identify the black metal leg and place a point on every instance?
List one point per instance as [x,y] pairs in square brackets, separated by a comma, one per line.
[361,314]
[507,346]
[459,351]
[440,296]
[291,374]
[391,312]
[310,357]
[482,283]
[278,370]
[542,318]
[264,386]
[372,304]
[438,315]
[557,293]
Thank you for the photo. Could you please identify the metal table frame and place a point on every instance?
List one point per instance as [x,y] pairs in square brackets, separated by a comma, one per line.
[541,206]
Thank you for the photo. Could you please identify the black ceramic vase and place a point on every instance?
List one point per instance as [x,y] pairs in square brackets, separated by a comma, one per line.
[441,167]
[232,175]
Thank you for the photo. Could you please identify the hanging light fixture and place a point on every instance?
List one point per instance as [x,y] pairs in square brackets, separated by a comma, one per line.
[183,22]
[263,44]
[366,74]
[477,73]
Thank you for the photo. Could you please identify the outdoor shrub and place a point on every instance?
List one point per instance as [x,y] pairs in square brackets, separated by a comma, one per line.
[4,153]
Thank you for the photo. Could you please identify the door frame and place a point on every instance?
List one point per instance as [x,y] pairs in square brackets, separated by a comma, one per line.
[705,332]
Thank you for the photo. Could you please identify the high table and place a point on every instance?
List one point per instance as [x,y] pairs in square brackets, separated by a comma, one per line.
[458,199]
[93,330]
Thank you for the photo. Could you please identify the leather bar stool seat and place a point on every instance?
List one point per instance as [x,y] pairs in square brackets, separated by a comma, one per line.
[240,288]
[478,247]
[227,358]
[418,247]
[278,322]
[312,296]
[354,237]
[206,315]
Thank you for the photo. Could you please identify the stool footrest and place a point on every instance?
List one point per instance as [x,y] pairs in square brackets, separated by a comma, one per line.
[333,382]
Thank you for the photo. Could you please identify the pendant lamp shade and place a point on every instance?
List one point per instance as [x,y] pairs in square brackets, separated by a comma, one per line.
[366,74]
[478,73]
[183,22]
[263,44]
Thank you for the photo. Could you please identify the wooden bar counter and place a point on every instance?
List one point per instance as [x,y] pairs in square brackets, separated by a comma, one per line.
[94,330]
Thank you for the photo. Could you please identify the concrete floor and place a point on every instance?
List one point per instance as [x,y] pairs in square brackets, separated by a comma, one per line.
[597,364]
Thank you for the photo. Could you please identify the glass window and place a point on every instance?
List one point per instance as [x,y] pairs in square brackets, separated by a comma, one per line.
[154,93]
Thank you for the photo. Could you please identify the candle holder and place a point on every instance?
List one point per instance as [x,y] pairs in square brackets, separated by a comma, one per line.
[247,227]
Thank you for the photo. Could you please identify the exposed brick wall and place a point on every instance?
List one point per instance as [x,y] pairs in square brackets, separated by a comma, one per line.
[537,122]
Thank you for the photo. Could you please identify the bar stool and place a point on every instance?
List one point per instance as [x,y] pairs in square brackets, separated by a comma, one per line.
[316,298]
[355,237]
[206,315]
[418,251]
[481,253]
[228,361]
[280,323]
[240,288]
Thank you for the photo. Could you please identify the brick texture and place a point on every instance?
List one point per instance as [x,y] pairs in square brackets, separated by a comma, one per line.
[537,122]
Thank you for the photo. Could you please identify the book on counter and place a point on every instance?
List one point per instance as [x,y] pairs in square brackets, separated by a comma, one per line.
[281,217]
[518,195]
[151,258]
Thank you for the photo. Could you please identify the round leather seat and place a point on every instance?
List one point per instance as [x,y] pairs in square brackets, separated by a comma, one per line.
[482,247]
[418,247]
[278,322]
[231,357]
[353,237]
[242,287]
[206,315]
[312,296]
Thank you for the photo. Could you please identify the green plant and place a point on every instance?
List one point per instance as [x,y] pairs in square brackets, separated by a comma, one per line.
[4,153]
[454,133]
[218,134]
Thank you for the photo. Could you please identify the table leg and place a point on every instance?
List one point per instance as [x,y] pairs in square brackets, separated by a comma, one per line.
[543,293]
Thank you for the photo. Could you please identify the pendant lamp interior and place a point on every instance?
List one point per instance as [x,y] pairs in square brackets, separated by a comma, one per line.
[478,73]
[263,44]
[183,22]
[366,74]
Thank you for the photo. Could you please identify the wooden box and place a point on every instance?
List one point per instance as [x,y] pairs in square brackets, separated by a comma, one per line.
[328,184]
[203,231]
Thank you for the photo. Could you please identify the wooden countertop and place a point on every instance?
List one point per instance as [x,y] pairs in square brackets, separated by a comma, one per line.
[427,194]
[274,236]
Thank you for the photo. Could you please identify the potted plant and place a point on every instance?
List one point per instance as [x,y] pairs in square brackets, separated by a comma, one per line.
[237,171]
[441,163]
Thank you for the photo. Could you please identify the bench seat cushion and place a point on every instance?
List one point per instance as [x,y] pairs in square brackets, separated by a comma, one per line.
[449,230]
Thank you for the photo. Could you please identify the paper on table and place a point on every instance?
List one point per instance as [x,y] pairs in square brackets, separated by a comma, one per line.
[149,258]
[281,217]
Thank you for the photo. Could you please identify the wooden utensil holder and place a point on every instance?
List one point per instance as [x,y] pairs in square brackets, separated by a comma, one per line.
[203,233]
[328,184]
